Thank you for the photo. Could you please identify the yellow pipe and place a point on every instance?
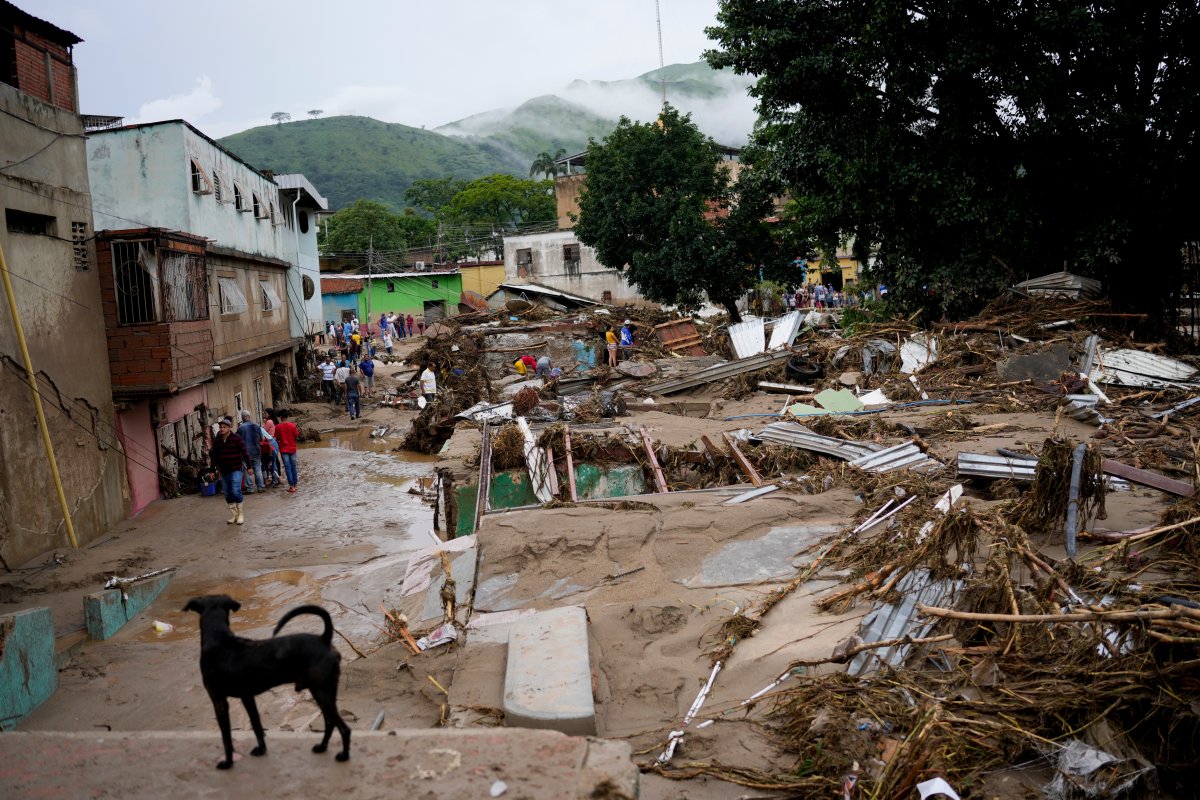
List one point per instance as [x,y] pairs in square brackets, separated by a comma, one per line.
[37,399]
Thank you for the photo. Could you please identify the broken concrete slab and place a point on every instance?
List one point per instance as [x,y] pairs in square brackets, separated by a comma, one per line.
[1042,367]
[548,680]
[539,765]
[28,672]
[768,558]
[636,369]
[106,611]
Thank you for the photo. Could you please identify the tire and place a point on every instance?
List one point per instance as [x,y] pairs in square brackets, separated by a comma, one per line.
[803,369]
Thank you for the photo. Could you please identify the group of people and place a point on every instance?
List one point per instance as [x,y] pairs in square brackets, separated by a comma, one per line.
[253,454]
[541,366]
[347,381]
[351,334]
[623,340]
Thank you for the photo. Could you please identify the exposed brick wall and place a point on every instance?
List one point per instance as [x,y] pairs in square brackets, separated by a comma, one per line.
[30,51]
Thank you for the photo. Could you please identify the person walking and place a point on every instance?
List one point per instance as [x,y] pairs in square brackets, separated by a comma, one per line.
[286,433]
[327,370]
[412,331]
[367,367]
[251,435]
[429,382]
[228,459]
[352,401]
[271,465]
[610,339]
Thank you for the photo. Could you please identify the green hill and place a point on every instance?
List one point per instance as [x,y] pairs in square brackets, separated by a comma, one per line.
[348,158]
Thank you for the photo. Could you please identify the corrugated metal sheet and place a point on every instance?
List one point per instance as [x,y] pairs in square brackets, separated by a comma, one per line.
[720,371]
[784,331]
[793,435]
[1135,368]
[902,456]
[982,465]
[1062,284]
[891,621]
[748,338]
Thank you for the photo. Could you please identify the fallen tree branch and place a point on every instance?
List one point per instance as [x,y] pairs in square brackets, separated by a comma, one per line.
[1140,615]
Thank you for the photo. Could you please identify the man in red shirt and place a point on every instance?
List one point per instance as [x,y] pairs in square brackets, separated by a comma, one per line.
[286,434]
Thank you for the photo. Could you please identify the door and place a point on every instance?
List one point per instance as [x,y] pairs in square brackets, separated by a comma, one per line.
[168,461]
[259,406]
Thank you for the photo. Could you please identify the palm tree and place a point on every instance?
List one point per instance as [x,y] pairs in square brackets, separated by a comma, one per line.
[545,164]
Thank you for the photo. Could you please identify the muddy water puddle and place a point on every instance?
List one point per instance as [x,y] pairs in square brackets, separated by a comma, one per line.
[379,439]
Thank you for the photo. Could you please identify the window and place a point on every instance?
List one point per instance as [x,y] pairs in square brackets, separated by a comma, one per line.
[185,286]
[270,299]
[135,273]
[79,248]
[433,284]
[571,258]
[230,296]
[28,222]
[302,220]
[524,257]
[260,211]
[391,286]
[217,188]
[239,198]
[200,182]
[606,297]
[237,404]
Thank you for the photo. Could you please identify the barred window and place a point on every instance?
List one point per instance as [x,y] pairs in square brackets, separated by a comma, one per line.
[79,248]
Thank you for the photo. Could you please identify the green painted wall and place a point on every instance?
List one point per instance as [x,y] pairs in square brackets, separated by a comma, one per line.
[513,489]
[409,294]
[28,674]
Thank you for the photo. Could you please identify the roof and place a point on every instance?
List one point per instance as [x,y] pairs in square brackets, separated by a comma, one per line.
[300,183]
[341,285]
[544,291]
[195,130]
[38,25]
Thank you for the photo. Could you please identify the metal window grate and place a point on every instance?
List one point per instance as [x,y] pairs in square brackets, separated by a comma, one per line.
[135,275]
[79,248]
[231,297]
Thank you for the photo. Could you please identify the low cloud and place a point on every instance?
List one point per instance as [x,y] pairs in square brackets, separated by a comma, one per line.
[193,106]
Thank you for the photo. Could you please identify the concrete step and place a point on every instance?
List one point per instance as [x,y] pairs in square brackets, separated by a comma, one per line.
[548,679]
[538,765]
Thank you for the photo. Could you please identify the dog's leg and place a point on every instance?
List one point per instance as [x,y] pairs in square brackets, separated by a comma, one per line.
[221,706]
[256,723]
[327,701]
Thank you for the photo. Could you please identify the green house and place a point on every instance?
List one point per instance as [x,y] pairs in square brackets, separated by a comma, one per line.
[425,295]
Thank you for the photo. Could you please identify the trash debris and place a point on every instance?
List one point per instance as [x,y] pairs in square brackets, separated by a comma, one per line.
[442,634]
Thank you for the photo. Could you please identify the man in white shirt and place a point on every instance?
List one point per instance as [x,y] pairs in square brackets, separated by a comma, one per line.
[339,378]
[327,369]
[429,383]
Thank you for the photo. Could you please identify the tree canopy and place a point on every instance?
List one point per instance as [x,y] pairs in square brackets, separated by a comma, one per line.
[972,144]
[433,194]
[660,206]
[503,201]
[367,223]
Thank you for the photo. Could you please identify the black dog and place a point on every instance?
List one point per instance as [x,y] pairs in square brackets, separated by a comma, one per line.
[235,667]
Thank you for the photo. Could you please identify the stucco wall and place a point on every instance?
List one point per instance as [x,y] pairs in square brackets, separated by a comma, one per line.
[58,301]
[141,455]
[332,306]
[254,328]
[223,391]
[483,279]
[592,279]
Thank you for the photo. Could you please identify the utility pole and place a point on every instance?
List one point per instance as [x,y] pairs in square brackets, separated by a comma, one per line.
[370,266]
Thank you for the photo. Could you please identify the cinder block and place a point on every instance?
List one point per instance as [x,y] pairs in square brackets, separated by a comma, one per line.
[548,678]
[106,611]
[28,673]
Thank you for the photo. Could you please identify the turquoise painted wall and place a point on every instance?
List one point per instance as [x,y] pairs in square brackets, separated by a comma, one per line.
[332,305]
[28,674]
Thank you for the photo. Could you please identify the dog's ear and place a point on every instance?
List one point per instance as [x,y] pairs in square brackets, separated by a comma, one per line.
[194,605]
[230,603]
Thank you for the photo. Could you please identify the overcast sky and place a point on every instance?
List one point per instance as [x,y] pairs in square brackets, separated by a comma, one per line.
[226,65]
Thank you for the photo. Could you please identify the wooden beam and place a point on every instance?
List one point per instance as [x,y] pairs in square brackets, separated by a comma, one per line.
[659,479]
[551,474]
[717,454]
[1151,479]
[485,476]
[743,462]
[570,464]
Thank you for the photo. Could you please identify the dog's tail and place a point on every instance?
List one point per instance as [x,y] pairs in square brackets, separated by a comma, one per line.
[326,636]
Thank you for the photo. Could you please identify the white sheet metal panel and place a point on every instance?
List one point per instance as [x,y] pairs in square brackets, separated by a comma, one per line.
[748,338]
[985,465]
[784,331]
[892,621]
[903,456]
[1135,368]
[793,435]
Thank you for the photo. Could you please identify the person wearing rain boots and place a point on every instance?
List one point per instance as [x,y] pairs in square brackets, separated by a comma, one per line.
[229,459]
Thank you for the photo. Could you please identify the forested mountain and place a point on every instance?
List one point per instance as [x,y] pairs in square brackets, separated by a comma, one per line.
[348,158]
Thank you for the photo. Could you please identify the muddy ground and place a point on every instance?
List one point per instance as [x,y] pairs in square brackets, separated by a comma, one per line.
[657,581]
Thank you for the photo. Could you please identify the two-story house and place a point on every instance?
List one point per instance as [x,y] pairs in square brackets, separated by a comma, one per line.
[194,250]
[46,235]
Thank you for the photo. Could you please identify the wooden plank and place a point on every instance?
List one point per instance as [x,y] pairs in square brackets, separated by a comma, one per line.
[659,479]
[786,388]
[570,464]
[485,476]
[742,462]
[1151,479]
[551,473]
[717,454]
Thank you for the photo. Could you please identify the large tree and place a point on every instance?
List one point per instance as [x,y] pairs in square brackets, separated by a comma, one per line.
[659,205]
[971,144]
[503,201]
[367,223]
[433,194]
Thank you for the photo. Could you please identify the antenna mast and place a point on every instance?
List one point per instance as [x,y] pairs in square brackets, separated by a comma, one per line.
[662,74]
